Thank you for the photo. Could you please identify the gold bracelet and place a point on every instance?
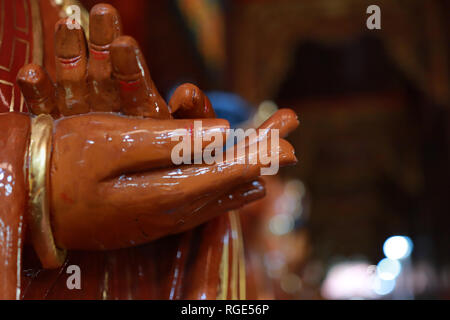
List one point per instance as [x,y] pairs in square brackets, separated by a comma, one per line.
[38,180]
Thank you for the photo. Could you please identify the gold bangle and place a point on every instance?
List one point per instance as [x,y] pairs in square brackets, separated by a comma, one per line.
[38,180]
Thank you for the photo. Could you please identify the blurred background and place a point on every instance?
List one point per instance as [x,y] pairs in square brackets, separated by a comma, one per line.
[366,212]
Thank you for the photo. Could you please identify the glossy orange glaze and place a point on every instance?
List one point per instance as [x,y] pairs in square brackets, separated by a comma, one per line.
[188,101]
[285,120]
[138,93]
[115,173]
[50,14]
[199,285]
[113,184]
[71,69]
[185,266]
[38,90]
[13,199]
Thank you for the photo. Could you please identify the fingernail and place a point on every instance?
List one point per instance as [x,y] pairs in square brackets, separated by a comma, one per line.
[34,83]
[69,43]
[126,57]
[105,24]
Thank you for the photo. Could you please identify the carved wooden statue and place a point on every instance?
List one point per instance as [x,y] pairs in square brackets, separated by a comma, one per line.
[86,175]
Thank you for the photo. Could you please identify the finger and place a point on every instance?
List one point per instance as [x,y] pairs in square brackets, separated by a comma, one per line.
[148,190]
[284,120]
[124,144]
[105,26]
[138,93]
[71,72]
[216,205]
[133,225]
[189,102]
[38,90]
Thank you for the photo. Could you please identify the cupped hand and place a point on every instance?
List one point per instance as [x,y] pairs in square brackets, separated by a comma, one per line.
[113,182]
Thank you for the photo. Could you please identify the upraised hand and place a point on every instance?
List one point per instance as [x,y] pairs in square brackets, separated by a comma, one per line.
[113,181]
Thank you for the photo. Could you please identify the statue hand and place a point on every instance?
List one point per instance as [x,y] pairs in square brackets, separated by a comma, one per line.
[113,183]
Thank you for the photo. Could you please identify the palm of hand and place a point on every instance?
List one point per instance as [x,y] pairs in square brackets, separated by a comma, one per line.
[113,182]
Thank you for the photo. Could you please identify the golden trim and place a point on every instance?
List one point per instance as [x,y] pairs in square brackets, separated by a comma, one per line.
[11,102]
[222,291]
[38,180]
[11,57]
[232,215]
[38,38]
[13,96]
[27,23]
[6,83]
[13,50]
[22,102]
[27,57]
[242,271]
[236,277]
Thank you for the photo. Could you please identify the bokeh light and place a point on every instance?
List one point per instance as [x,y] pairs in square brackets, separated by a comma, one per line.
[383,287]
[397,247]
[388,269]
